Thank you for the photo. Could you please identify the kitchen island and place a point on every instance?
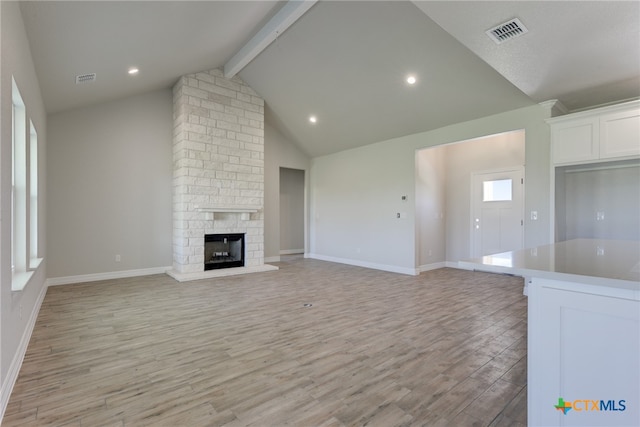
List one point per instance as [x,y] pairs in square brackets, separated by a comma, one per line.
[583,330]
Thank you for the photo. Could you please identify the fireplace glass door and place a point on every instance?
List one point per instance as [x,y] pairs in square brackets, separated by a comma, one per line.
[223,251]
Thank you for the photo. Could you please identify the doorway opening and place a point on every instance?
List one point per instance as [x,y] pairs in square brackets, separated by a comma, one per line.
[445,219]
[292,224]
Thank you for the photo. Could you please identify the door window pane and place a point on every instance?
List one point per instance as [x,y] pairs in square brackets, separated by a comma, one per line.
[496,191]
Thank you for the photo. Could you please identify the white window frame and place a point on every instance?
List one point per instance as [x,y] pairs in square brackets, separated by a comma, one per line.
[19,214]
[34,259]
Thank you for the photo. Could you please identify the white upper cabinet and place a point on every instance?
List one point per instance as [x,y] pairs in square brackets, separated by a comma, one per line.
[575,141]
[620,134]
[604,133]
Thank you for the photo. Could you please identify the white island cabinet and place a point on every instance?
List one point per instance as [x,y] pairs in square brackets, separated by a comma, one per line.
[583,330]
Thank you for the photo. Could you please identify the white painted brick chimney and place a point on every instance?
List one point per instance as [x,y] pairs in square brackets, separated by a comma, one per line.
[218,170]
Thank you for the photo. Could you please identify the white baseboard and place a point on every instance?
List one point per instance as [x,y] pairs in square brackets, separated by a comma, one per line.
[291,251]
[272,259]
[372,265]
[16,363]
[432,266]
[55,281]
[456,264]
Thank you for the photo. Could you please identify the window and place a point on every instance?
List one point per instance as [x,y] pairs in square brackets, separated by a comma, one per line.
[19,214]
[33,197]
[18,183]
[497,190]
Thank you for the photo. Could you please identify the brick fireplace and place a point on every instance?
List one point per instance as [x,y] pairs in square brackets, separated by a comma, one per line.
[218,171]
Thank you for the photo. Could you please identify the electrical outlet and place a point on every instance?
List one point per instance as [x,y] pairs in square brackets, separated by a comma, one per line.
[118,258]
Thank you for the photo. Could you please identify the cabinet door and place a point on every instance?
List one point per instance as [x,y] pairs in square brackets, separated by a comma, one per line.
[576,141]
[620,134]
[582,346]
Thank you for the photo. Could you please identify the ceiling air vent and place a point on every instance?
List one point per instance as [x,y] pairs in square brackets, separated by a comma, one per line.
[507,31]
[85,78]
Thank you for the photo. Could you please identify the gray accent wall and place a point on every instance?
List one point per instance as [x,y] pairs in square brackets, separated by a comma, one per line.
[18,309]
[109,186]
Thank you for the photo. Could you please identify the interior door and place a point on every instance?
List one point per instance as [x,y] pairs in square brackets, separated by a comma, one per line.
[497,211]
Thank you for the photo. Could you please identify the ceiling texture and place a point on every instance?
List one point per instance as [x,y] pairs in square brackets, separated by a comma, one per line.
[346,62]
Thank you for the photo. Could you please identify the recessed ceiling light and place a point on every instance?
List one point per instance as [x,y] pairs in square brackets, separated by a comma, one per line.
[313,119]
[411,80]
[133,70]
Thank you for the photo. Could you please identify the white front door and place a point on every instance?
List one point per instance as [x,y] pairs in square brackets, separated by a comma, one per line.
[497,211]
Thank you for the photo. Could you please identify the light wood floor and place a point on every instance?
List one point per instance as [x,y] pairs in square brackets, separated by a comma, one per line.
[446,348]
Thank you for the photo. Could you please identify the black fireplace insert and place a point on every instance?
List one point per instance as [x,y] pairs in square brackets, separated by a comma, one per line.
[223,251]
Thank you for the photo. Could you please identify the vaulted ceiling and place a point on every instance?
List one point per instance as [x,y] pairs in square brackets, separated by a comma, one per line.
[346,62]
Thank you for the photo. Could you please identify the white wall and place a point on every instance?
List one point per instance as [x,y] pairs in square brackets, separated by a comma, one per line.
[355,198]
[279,152]
[356,194]
[291,211]
[18,310]
[431,205]
[109,173]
